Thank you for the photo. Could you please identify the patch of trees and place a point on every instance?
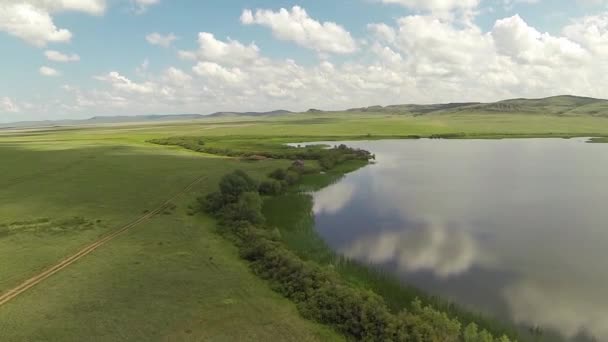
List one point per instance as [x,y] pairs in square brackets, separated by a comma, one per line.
[319,292]
[327,157]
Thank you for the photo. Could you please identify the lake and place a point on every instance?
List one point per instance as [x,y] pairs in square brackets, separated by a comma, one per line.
[517,229]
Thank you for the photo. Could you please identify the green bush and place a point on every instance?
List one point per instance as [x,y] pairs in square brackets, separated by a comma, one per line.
[278,174]
[248,208]
[292,177]
[272,187]
[234,184]
[212,203]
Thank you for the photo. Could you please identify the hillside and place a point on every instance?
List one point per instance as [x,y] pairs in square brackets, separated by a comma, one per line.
[229,114]
[564,105]
[96,120]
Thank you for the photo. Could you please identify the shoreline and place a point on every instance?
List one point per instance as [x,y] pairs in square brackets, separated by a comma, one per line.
[307,244]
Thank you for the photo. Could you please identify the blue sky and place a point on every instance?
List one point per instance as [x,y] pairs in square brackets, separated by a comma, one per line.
[319,54]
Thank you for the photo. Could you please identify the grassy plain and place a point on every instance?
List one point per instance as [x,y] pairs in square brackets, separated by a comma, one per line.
[170,278]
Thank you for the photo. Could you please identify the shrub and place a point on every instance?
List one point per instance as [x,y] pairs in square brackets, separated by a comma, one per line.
[248,208]
[278,174]
[234,184]
[292,177]
[212,203]
[272,187]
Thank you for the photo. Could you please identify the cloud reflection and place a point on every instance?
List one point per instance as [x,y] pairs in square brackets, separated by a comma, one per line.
[332,199]
[433,247]
[561,306]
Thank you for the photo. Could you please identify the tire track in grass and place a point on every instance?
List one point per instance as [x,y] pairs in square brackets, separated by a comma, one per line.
[35,280]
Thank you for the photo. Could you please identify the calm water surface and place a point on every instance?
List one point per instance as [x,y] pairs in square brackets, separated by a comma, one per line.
[514,228]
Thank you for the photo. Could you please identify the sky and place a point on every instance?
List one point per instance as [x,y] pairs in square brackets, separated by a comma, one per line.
[72,59]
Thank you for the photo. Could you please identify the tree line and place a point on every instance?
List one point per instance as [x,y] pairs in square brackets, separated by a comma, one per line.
[327,157]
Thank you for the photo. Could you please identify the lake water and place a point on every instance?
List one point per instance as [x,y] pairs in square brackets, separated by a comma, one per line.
[517,229]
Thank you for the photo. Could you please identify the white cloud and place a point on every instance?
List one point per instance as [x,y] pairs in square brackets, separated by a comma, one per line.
[590,32]
[216,71]
[434,49]
[94,7]
[31,24]
[176,77]
[31,20]
[161,40]
[47,71]
[7,105]
[187,55]
[382,32]
[515,38]
[297,26]
[57,56]
[122,83]
[230,52]
[436,5]
[142,5]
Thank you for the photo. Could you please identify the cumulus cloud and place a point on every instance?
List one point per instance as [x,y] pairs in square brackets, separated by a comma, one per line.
[95,7]
[47,71]
[515,38]
[590,32]
[438,6]
[161,40]
[122,83]
[215,50]
[297,26]
[176,77]
[57,56]
[32,21]
[382,32]
[218,72]
[142,5]
[7,105]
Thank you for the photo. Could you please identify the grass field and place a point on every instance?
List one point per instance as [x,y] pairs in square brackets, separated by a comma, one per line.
[172,277]
[332,124]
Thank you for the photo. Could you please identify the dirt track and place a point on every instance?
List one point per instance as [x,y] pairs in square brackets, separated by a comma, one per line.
[33,281]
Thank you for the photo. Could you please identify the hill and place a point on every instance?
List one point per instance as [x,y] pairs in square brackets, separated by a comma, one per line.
[563,105]
[228,114]
[96,120]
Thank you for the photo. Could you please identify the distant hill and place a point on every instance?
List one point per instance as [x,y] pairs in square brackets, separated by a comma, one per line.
[142,118]
[228,114]
[414,108]
[97,120]
[564,105]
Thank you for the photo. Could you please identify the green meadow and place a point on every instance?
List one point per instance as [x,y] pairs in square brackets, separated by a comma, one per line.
[173,277]
[170,278]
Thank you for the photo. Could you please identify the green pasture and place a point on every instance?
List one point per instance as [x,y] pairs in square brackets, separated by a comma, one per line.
[171,278]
